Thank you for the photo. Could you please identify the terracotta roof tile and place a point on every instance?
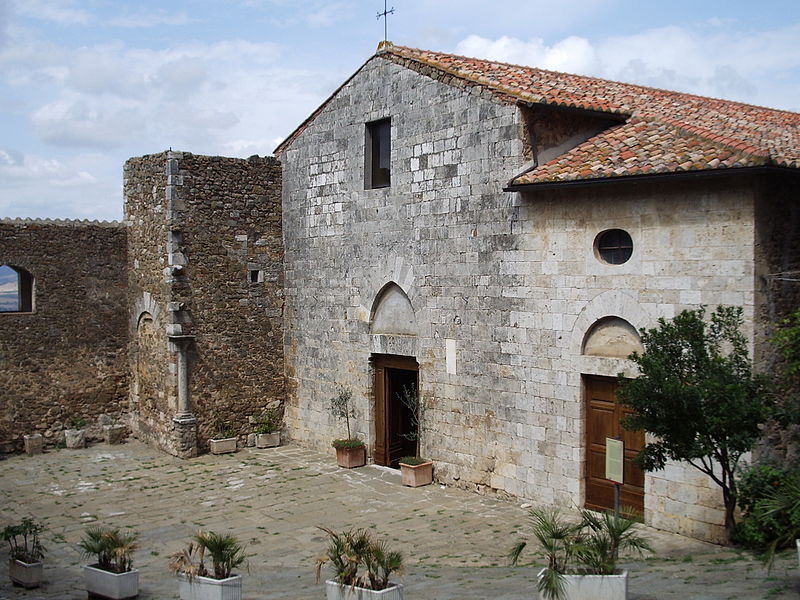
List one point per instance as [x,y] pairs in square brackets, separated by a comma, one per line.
[665,131]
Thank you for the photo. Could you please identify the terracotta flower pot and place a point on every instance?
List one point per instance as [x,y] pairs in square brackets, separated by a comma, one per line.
[417,475]
[350,458]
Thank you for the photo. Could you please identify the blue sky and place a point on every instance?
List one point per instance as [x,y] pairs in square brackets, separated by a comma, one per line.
[86,84]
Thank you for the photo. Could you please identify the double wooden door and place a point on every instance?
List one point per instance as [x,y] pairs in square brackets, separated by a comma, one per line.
[603,415]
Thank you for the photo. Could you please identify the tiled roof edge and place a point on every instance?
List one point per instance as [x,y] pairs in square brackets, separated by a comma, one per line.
[399,51]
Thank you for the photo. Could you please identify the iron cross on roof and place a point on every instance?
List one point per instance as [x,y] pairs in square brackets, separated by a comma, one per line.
[385,14]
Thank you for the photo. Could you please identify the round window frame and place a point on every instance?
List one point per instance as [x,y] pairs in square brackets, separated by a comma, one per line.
[598,252]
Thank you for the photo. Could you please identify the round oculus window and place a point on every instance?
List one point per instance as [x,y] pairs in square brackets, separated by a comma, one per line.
[613,246]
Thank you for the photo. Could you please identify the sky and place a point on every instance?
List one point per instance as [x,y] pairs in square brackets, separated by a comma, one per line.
[86,84]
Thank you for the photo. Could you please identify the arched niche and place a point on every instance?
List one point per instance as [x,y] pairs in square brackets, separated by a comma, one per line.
[612,337]
[16,289]
[392,313]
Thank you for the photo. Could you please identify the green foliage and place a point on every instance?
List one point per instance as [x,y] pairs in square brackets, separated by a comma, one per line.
[413,460]
[590,546]
[77,423]
[225,550]
[349,551]
[770,499]
[23,540]
[114,550]
[416,405]
[348,443]
[222,428]
[698,395]
[269,422]
[787,341]
[341,407]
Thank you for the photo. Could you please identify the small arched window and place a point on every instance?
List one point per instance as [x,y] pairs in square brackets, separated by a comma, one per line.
[16,290]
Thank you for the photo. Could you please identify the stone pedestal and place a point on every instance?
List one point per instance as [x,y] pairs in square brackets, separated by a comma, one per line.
[75,438]
[33,444]
[115,434]
[184,436]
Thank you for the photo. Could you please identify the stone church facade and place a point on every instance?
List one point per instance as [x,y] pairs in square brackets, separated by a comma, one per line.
[490,236]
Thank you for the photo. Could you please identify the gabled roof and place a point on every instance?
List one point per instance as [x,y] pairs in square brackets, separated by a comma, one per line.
[662,132]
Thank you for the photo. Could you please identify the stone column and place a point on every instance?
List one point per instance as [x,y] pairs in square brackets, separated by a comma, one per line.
[184,422]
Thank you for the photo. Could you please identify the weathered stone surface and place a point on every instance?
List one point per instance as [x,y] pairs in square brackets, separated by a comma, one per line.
[205,260]
[67,358]
[75,438]
[33,444]
[504,287]
[115,434]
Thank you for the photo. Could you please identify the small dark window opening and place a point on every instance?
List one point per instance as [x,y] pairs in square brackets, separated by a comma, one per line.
[378,149]
[16,290]
[614,246]
[255,276]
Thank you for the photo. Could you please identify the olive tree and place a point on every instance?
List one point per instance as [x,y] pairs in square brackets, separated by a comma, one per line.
[698,396]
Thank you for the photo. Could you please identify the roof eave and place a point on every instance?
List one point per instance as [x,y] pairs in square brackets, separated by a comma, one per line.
[645,178]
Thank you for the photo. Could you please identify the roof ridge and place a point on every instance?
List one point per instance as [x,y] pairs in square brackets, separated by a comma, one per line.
[390,47]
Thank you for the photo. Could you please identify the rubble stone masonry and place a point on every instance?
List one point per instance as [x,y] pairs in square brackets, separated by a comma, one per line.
[65,360]
[206,261]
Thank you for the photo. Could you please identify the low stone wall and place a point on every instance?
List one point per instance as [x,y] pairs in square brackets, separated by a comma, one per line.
[65,360]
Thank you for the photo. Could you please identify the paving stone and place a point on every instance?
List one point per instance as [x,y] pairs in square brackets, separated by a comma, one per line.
[456,542]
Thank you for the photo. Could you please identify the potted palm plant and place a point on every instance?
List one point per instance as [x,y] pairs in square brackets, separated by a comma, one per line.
[26,554]
[112,576]
[350,452]
[361,567]
[225,438]
[582,556]
[268,434]
[196,581]
[414,470]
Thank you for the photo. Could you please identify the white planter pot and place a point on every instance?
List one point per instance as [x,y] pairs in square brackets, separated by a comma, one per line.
[268,440]
[114,586]
[28,575]
[337,591]
[595,587]
[223,445]
[207,588]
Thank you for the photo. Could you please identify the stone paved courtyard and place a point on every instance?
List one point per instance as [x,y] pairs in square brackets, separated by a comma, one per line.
[273,499]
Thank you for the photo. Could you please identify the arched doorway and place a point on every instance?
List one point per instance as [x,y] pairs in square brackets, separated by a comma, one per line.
[396,376]
[610,337]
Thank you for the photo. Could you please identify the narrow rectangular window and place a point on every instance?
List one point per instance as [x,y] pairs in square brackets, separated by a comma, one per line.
[378,149]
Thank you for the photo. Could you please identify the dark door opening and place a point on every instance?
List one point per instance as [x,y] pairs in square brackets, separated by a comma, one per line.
[394,376]
[603,415]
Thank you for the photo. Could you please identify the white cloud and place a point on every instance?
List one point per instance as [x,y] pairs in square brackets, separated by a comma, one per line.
[58,11]
[143,20]
[80,186]
[738,65]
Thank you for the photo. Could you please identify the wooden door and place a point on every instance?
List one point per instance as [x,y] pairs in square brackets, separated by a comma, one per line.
[393,422]
[603,415]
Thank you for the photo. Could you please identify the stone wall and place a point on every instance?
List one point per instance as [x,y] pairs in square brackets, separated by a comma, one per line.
[504,287]
[207,256]
[66,360]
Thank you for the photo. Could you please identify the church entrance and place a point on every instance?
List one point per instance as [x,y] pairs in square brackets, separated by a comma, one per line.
[603,415]
[394,377]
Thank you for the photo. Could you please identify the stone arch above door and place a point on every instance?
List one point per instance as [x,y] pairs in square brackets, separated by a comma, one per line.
[612,337]
[611,307]
[392,312]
